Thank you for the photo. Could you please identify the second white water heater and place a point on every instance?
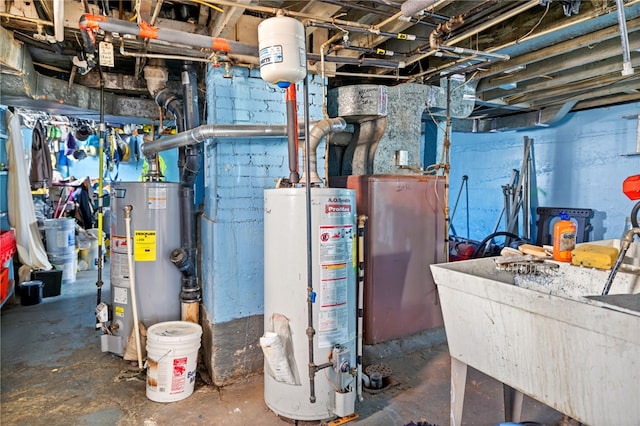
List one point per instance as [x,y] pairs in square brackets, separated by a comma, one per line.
[287,387]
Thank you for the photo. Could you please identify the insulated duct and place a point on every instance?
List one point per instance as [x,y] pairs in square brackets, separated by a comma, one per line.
[527,120]
[388,119]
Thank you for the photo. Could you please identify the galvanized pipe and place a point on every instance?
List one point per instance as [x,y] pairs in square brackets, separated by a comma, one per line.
[627,68]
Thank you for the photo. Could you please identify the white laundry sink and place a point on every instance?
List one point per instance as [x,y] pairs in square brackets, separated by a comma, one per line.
[577,355]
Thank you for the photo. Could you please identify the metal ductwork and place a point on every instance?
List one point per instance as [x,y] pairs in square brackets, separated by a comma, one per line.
[320,130]
[543,118]
[215,131]
[387,119]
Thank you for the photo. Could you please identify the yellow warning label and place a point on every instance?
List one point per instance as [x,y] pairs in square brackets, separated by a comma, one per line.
[119,311]
[144,246]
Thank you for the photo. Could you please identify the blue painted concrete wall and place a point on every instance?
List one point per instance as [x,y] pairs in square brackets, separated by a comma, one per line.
[578,163]
[236,173]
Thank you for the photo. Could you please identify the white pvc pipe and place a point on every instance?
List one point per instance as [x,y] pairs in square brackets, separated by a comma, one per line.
[132,282]
[58,20]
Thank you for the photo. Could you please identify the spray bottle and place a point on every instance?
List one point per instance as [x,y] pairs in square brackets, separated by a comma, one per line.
[564,238]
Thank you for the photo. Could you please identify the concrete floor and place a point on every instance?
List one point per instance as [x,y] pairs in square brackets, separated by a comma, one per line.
[53,373]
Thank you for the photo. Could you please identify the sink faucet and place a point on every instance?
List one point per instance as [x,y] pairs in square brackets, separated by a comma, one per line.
[625,243]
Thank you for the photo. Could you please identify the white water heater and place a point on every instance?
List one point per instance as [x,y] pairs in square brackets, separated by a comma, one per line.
[155,232]
[287,387]
[283,58]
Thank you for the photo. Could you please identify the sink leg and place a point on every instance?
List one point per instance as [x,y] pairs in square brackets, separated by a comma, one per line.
[512,404]
[458,382]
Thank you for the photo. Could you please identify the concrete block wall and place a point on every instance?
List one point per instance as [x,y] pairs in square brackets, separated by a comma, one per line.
[236,173]
[579,162]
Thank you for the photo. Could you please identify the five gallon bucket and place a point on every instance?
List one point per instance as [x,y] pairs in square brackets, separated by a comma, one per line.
[61,236]
[61,246]
[172,357]
[67,263]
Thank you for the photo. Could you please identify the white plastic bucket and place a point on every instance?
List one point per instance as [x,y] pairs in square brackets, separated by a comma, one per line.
[67,263]
[61,236]
[172,358]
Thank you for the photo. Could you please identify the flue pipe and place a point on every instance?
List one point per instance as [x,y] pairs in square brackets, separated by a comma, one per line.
[208,131]
[321,129]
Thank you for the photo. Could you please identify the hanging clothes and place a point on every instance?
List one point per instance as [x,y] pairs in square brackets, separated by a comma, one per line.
[22,215]
[41,167]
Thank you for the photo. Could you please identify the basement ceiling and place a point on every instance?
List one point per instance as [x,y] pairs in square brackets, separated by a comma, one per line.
[540,58]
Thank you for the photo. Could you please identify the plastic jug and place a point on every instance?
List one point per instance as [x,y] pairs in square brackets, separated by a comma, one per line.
[564,238]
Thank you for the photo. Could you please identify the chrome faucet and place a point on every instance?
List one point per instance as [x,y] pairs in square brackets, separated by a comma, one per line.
[625,243]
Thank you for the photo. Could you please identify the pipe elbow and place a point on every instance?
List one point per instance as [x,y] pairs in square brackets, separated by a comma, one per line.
[325,127]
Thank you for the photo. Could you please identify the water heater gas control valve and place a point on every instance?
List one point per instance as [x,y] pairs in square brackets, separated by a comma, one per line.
[102,314]
[340,358]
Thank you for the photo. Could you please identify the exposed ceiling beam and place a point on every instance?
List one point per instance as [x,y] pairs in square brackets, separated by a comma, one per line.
[557,49]
[575,59]
[561,79]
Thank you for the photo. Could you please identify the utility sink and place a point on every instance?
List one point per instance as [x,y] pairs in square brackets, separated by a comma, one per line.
[552,337]
[580,283]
